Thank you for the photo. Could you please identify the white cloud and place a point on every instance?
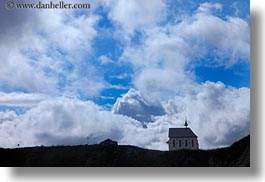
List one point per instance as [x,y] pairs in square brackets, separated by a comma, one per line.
[164,60]
[85,82]
[161,84]
[52,53]
[158,48]
[7,116]
[63,121]
[68,32]
[219,115]
[15,68]
[121,76]
[234,5]
[191,39]
[54,121]
[118,87]
[209,7]
[230,37]
[104,60]
[107,98]
[21,99]
[136,14]
[19,73]
[159,64]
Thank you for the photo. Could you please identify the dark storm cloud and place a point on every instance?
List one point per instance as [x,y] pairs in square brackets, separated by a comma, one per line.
[13,21]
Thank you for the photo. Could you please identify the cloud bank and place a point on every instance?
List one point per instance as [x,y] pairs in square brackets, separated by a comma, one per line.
[217,114]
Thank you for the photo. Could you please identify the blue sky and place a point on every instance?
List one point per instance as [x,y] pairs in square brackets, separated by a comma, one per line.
[129,57]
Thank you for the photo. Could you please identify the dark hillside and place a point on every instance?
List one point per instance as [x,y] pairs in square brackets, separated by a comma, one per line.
[237,155]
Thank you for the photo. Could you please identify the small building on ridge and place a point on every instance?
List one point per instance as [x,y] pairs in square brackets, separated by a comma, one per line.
[182,138]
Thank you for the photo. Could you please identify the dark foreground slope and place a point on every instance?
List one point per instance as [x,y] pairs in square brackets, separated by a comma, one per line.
[99,155]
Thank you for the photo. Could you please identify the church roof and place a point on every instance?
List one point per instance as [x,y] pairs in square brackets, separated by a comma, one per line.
[181,133]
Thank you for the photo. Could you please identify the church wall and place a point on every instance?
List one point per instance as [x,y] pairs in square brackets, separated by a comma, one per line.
[183,143]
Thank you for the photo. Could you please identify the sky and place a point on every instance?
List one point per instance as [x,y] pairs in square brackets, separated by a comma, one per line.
[126,70]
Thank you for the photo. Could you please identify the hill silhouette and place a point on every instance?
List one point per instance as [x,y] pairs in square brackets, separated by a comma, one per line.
[237,155]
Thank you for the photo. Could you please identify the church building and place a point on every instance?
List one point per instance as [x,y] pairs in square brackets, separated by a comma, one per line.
[182,138]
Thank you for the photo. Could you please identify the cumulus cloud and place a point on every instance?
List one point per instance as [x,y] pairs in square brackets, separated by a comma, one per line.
[229,37]
[135,14]
[195,36]
[229,116]
[65,121]
[161,84]
[57,120]
[67,32]
[52,53]
[7,116]
[134,105]
[15,68]
[218,114]
[165,58]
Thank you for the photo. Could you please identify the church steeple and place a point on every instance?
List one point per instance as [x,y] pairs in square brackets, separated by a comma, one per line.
[186,123]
